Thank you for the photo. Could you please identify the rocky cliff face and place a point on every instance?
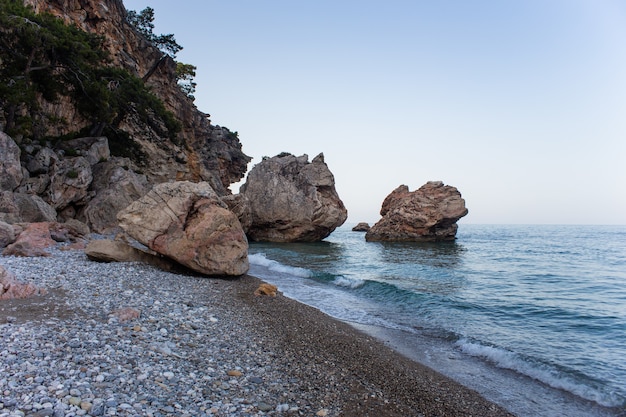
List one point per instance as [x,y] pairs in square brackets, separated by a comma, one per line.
[200,152]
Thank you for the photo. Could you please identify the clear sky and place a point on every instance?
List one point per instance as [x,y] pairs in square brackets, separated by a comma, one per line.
[521,105]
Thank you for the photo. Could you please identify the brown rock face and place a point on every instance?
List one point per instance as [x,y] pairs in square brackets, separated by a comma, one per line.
[428,214]
[292,200]
[201,152]
[188,223]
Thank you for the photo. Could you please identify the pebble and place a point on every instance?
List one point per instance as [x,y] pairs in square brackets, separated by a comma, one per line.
[178,358]
[264,407]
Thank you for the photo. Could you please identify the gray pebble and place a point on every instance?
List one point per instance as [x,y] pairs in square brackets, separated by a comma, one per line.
[255,380]
[173,360]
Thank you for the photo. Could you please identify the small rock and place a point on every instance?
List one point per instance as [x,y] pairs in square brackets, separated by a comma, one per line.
[126,314]
[97,408]
[282,408]
[234,372]
[266,289]
[264,407]
[361,227]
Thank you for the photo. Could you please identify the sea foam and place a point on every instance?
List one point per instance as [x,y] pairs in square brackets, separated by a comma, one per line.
[540,372]
[261,260]
[352,283]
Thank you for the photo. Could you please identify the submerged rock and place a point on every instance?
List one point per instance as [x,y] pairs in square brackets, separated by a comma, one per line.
[428,214]
[292,200]
[361,227]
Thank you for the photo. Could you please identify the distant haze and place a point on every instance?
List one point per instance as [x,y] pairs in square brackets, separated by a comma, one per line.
[520,105]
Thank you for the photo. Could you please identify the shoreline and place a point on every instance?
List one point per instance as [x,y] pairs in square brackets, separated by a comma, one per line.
[517,393]
[290,358]
[377,380]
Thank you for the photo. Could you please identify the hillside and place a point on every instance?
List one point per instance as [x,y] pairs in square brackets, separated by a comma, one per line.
[179,145]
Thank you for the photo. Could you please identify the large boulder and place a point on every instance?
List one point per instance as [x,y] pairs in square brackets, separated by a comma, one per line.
[70,181]
[115,186]
[428,214]
[40,162]
[32,241]
[292,200]
[23,207]
[10,166]
[94,149]
[7,234]
[189,223]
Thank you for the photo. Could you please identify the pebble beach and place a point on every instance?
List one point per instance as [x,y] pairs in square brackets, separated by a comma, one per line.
[127,339]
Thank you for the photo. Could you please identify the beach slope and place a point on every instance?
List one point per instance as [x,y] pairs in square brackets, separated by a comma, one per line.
[199,346]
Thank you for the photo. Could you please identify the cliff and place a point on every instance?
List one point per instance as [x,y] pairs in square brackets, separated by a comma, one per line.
[199,152]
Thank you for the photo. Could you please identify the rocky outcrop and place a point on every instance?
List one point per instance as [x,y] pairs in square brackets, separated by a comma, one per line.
[200,152]
[76,179]
[428,214]
[189,223]
[361,227]
[292,200]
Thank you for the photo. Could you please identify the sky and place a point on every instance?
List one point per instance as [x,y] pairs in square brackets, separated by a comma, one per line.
[520,105]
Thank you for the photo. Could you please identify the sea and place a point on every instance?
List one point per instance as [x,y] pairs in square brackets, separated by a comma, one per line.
[533,317]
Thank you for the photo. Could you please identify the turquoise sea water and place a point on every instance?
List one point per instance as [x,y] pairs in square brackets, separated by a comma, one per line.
[531,307]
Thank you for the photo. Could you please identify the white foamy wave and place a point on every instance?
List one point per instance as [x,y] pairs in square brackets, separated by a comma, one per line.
[261,260]
[544,373]
[351,283]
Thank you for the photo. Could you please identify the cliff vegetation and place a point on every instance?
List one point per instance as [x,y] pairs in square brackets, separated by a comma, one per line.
[88,68]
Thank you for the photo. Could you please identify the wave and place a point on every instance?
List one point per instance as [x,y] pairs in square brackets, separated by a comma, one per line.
[352,283]
[544,373]
[261,260]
